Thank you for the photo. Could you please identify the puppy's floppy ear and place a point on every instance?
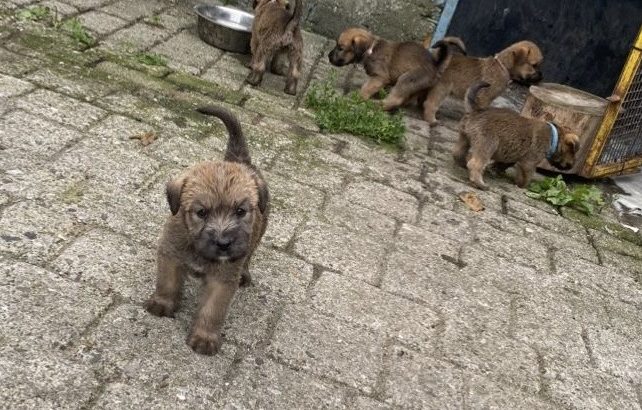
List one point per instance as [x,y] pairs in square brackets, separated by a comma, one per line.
[360,45]
[173,191]
[255,3]
[521,54]
[263,193]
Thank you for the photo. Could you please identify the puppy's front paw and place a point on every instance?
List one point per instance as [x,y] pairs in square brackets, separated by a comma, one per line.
[434,123]
[254,78]
[204,343]
[246,279]
[159,306]
[290,88]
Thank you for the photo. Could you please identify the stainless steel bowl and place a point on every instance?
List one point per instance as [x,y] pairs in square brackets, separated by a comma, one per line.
[225,27]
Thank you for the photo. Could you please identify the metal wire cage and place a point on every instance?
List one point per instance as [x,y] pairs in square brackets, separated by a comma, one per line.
[617,147]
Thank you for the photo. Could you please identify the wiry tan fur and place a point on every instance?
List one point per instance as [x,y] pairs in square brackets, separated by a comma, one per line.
[276,32]
[499,135]
[519,62]
[208,236]
[406,66]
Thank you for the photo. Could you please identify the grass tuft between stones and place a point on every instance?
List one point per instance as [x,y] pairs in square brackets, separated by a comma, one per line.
[151,59]
[350,113]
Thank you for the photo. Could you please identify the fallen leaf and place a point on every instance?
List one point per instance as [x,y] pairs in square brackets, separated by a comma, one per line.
[145,138]
[472,200]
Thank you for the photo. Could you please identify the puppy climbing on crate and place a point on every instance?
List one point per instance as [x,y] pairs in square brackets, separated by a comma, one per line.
[499,135]
[276,33]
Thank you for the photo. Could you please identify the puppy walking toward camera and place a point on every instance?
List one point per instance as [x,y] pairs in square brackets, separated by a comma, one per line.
[407,66]
[519,62]
[275,31]
[219,215]
[503,136]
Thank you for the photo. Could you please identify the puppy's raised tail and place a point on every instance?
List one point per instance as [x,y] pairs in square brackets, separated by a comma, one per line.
[295,20]
[237,150]
[471,96]
[445,49]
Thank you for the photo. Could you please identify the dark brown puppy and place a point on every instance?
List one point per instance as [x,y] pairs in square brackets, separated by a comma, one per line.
[219,214]
[275,31]
[519,62]
[406,66]
[503,136]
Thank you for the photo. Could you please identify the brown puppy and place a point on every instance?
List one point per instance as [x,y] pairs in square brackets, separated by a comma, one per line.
[503,136]
[406,66]
[520,62]
[275,31]
[219,214]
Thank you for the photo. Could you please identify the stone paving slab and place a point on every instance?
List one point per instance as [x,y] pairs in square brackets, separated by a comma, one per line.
[375,286]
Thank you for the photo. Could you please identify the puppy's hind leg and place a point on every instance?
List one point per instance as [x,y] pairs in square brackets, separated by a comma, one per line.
[295,56]
[435,98]
[258,66]
[524,171]
[460,152]
[371,87]
[409,84]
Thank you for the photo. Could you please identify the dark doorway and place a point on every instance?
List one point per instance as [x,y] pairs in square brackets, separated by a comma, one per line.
[585,42]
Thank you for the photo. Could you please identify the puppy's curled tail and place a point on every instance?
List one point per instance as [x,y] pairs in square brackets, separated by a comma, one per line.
[295,20]
[237,150]
[471,96]
[445,48]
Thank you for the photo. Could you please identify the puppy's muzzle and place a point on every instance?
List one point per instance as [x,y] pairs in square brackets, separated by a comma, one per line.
[336,58]
[532,79]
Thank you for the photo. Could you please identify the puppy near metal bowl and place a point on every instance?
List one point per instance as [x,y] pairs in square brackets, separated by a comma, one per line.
[226,28]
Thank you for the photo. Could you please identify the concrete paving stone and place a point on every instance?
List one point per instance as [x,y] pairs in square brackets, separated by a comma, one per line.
[15,64]
[43,379]
[87,4]
[356,255]
[70,83]
[616,354]
[624,264]
[414,241]
[447,191]
[11,86]
[592,280]
[31,135]
[187,52]
[182,151]
[26,178]
[111,263]
[150,353]
[327,348]
[229,71]
[282,226]
[426,278]
[42,311]
[119,130]
[120,395]
[344,213]
[454,226]
[306,171]
[262,383]
[133,10]
[285,276]
[607,242]
[582,388]
[288,195]
[388,201]
[481,393]
[133,78]
[362,304]
[262,103]
[571,247]
[58,8]
[621,317]
[101,23]
[552,222]
[512,247]
[174,19]
[34,231]
[366,403]
[337,161]
[138,37]
[419,381]
[60,108]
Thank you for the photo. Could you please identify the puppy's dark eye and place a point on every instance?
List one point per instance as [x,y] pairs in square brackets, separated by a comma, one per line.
[201,213]
[240,212]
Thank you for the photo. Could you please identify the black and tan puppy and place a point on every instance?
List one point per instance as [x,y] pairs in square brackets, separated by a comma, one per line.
[406,66]
[503,136]
[219,214]
[274,32]
[519,62]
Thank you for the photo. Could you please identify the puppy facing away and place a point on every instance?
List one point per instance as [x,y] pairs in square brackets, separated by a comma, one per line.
[219,214]
[519,62]
[274,32]
[503,136]
[406,66]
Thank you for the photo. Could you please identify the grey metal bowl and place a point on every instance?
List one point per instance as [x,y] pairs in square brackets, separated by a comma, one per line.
[226,28]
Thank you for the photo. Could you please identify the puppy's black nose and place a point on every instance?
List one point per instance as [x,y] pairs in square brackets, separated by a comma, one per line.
[223,243]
